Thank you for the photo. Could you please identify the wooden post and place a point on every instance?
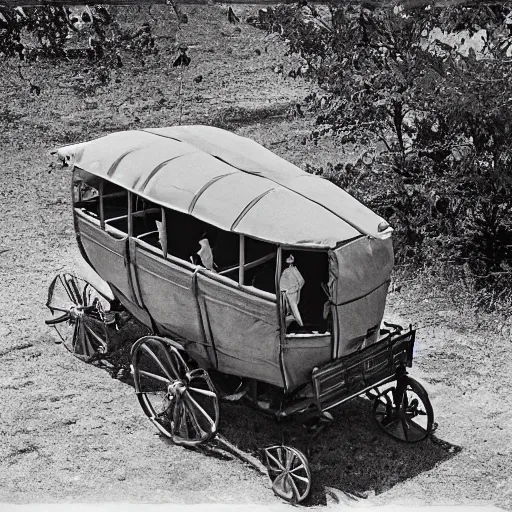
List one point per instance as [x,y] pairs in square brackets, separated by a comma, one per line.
[279,265]
[102,208]
[130,218]
[241,261]
[279,303]
[246,457]
[163,234]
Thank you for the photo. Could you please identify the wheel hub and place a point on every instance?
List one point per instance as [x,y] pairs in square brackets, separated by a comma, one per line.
[76,313]
[176,388]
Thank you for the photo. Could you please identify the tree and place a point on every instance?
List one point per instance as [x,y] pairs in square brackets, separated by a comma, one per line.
[438,106]
[91,35]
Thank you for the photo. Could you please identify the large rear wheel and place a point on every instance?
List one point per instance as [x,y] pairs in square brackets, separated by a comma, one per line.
[180,402]
[289,472]
[404,411]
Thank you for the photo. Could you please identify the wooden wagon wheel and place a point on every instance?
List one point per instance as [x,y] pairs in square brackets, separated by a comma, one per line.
[183,404]
[289,472]
[78,311]
[404,412]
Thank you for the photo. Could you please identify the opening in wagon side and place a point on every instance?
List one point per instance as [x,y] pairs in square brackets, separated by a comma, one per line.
[100,200]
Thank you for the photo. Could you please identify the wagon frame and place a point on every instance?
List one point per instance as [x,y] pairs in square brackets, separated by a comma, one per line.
[142,200]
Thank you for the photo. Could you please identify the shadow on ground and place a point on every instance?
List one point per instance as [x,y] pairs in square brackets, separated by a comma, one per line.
[351,454]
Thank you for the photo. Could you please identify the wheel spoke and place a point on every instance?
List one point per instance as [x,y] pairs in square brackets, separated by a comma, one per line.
[183,429]
[181,364]
[294,470]
[279,465]
[188,397]
[282,487]
[61,309]
[74,339]
[67,289]
[157,361]
[416,411]
[280,451]
[74,290]
[87,342]
[202,433]
[150,375]
[189,424]
[179,424]
[383,400]
[289,458]
[295,491]
[95,336]
[79,344]
[204,392]
[301,478]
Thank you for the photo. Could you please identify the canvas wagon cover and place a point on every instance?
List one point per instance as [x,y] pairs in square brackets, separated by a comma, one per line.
[229,181]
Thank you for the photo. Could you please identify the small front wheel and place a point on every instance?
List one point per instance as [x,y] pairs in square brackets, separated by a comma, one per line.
[404,411]
[289,472]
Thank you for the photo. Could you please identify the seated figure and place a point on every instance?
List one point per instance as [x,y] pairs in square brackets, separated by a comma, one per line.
[204,256]
[291,284]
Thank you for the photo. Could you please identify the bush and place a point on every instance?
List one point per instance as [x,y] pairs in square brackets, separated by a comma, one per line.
[438,107]
[57,34]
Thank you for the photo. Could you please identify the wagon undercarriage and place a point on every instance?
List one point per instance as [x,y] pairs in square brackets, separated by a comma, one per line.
[182,400]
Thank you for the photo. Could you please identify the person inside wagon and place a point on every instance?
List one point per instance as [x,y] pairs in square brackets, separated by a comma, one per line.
[204,256]
[291,284]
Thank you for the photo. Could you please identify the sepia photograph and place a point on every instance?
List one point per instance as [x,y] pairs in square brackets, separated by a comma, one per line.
[256,255]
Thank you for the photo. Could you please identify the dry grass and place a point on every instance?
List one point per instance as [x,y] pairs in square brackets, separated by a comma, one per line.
[68,405]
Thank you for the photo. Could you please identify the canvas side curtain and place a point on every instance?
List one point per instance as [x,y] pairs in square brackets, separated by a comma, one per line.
[359,274]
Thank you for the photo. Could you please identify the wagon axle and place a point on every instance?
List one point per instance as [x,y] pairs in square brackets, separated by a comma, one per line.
[176,388]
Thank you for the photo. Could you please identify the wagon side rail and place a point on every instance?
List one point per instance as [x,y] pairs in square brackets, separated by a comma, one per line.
[357,373]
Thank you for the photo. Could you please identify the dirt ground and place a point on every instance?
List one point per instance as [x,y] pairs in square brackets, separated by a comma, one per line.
[70,432]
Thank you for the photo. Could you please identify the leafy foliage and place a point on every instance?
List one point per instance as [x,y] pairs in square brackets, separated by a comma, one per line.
[58,33]
[429,89]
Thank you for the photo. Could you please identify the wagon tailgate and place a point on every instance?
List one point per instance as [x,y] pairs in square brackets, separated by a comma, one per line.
[352,375]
